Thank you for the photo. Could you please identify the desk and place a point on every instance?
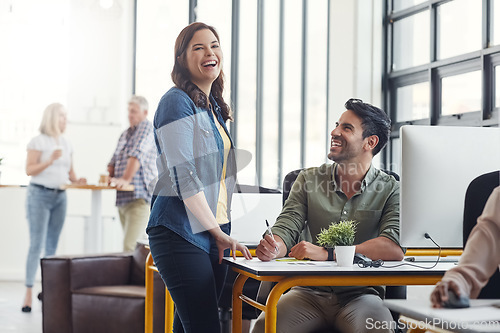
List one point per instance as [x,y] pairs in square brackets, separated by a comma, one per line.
[480,317]
[318,273]
[93,226]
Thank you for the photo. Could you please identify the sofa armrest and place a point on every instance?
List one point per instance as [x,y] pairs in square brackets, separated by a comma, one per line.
[103,270]
[56,305]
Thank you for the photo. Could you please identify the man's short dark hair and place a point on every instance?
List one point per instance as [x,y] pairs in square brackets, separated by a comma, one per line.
[374,121]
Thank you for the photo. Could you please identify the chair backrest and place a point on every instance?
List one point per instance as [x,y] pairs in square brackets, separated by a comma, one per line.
[476,196]
[242,188]
[288,182]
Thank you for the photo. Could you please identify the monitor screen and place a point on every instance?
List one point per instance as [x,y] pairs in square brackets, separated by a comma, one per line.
[437,165]
[249,212]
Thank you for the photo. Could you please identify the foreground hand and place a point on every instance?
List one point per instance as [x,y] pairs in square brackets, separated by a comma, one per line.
[224,241]
[267,248]
[440,293]
[306,250]
[119,182]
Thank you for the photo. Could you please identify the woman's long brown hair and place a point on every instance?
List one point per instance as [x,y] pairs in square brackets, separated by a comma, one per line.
[182,78]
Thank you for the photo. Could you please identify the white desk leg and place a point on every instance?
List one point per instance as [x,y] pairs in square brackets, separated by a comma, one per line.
[93,230]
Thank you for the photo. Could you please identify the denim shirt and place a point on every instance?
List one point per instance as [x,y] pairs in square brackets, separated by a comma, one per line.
[190,159]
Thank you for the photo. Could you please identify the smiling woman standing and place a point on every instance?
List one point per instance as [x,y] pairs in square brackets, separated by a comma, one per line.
[190,218]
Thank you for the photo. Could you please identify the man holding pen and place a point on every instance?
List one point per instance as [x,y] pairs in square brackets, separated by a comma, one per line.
[349,189]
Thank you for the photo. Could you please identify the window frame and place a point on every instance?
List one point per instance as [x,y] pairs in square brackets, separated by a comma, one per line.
[485,60]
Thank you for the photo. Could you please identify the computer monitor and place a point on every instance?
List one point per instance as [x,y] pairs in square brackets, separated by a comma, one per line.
[249,212]
[437,165]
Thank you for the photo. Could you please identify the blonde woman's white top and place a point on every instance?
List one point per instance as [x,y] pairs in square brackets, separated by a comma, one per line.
[57,174]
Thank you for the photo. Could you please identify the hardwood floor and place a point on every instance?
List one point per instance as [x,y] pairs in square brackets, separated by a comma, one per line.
[11,317]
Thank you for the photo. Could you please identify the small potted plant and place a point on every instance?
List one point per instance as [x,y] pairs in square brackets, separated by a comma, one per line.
[341,237]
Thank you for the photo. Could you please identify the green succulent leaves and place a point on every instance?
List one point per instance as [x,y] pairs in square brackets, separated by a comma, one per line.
[338,234]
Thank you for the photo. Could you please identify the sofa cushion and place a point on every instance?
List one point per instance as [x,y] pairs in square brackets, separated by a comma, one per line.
[107,314]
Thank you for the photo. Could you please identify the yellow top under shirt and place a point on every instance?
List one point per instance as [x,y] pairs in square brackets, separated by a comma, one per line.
[221,215]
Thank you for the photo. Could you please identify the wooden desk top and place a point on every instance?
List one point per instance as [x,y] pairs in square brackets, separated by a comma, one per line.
[287,267]
[77,186]
[97,187]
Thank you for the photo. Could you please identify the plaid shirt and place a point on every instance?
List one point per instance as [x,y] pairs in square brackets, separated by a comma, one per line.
[136,142]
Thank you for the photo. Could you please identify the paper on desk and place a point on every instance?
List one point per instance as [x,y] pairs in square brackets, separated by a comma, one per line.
[302,262]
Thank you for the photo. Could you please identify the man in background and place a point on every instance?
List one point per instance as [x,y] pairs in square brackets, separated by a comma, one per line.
[133,163]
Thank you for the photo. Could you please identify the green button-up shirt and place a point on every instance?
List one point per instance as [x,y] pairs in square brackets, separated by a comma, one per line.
[316,200]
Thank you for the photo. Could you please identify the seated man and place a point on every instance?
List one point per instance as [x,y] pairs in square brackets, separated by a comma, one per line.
[480,258]
[349,189]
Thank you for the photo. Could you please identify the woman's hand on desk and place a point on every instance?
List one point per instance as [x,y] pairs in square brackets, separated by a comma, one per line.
[224,241]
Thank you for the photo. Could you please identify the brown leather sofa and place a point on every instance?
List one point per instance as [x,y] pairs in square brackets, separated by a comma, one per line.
[99,293]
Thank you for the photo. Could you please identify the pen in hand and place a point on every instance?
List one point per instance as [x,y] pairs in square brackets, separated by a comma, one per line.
[271,234]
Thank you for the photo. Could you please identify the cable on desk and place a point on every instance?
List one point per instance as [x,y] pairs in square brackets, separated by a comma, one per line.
[380,262]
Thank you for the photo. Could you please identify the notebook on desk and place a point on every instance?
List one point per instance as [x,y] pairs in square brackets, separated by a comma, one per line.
[432,259]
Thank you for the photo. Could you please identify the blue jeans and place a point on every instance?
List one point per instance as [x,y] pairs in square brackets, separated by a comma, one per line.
[193,277]
[45,211]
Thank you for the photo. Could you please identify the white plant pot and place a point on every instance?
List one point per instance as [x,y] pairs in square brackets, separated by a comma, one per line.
[344,255]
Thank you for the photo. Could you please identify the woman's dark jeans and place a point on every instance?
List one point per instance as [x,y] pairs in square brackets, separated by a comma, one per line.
[193,277]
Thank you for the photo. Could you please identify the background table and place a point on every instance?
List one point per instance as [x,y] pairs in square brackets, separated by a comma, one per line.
[288,274]
[93,227]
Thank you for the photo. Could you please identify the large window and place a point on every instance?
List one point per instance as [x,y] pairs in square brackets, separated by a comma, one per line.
[442,64]
[275,64]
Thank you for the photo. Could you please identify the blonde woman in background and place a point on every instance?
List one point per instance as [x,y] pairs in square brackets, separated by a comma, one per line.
[49,163]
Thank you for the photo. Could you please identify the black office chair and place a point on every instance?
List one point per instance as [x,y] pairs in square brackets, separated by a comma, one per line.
[476,196]
[391,292]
